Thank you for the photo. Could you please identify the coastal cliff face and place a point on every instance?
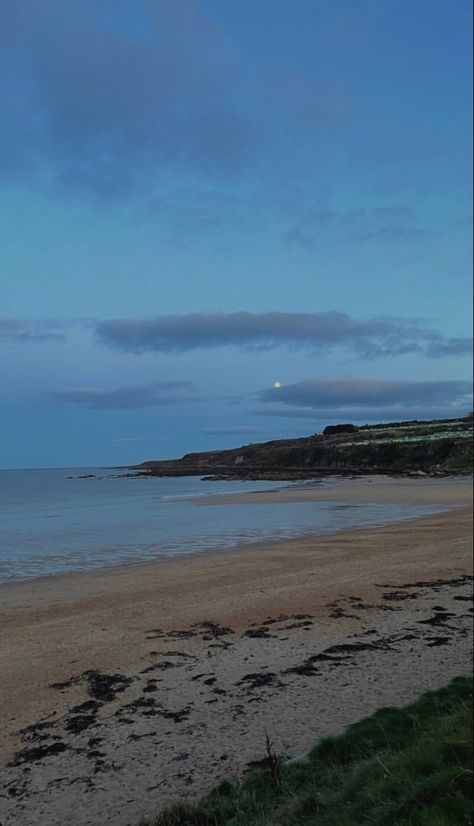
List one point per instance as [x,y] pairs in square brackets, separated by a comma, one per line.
[435,447]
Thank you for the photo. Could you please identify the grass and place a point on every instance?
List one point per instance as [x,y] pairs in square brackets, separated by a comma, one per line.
[400,767]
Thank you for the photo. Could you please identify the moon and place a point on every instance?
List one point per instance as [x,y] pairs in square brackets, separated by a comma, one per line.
[276,385]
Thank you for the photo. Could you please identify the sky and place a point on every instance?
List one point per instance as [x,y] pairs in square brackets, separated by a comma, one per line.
[200,200]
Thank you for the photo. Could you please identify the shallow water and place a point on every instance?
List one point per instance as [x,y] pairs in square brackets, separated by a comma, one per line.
[52,524]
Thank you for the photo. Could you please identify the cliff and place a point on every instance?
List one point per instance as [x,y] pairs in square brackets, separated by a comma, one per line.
[434,447]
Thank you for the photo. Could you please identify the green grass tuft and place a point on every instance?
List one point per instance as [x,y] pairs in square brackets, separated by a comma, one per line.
[400,767]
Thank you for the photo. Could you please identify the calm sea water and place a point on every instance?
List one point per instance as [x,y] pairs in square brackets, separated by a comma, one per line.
[52,524]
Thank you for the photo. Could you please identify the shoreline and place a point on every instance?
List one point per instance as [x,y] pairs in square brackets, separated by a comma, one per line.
[443,494]
[146,675]
[49,582]
[224,550]
[383,489]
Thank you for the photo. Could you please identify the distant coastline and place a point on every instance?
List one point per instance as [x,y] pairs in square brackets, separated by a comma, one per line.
[438,447]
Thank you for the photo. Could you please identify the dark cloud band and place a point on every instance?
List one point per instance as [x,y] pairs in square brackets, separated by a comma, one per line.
[370,338]
[336,395]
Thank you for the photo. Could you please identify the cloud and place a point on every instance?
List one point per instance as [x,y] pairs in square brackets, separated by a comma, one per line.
[190,213]
[127,398]
[356,396]
[103,95]
[108,98]
[370,338]
[386,223]
[141,439]
[450,347]
[18,330]
[232,430]
[398,235]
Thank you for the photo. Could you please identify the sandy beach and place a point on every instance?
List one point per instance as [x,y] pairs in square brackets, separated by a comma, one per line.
[359,490]
[129,687]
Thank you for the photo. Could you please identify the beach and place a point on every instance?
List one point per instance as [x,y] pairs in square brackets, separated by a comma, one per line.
[131,686]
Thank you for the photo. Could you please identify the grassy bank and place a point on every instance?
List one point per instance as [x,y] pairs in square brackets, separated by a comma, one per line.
[401,767]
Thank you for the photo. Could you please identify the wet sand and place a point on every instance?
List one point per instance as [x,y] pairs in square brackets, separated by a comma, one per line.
[359,490]
[128,687]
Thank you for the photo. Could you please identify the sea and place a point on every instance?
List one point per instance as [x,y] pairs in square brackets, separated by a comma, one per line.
[59,521]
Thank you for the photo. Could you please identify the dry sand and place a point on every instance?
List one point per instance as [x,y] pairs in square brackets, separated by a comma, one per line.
[202,655]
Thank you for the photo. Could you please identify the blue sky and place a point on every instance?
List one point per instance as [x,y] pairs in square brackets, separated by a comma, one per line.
[199,199]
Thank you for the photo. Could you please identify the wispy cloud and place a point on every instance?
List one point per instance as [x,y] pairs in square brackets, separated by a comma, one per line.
[126,398]
[109,96]
[394,224]
[232,430]
[190,213]
[23,330]
[398,235]
[104,104]
[362,415]
[315,331]
[449,347]
[141,439]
